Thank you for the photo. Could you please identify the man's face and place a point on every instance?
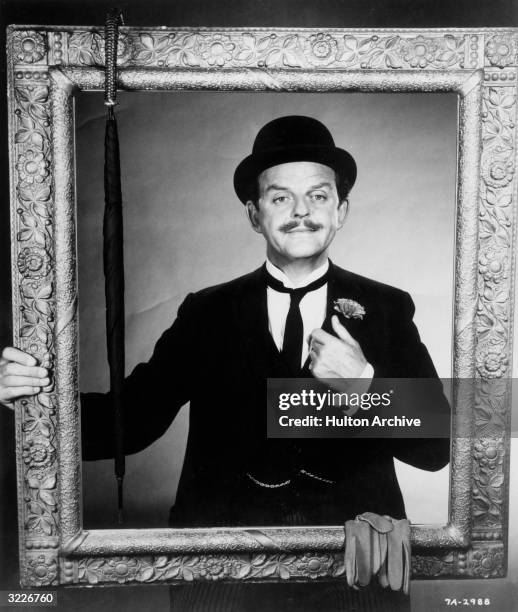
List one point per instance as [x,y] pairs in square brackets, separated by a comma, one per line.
[298,211]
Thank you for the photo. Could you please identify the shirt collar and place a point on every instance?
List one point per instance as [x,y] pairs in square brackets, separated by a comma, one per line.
[280,276]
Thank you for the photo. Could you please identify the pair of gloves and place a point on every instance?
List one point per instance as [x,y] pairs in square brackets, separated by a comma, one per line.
[378,545]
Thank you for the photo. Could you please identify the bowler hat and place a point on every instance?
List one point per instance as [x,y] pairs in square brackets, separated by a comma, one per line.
[291,139]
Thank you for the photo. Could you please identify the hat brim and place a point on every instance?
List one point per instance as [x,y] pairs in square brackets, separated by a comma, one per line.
[251,167]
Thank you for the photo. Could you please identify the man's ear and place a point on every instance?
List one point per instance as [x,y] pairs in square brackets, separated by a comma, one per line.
[252,213]
[343,210]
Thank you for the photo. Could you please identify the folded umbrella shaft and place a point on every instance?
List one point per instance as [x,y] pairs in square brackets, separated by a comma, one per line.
[114,288]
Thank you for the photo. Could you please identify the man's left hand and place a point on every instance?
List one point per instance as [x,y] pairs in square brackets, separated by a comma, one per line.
[335,357]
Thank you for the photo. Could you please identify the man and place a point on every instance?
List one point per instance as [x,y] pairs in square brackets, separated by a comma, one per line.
[276,322]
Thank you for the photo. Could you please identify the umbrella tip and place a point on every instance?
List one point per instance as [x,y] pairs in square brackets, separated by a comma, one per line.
[120,515]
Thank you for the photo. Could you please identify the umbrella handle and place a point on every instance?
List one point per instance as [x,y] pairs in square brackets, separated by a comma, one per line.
[114,19]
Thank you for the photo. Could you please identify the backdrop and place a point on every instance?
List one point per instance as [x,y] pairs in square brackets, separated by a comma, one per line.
[185,229]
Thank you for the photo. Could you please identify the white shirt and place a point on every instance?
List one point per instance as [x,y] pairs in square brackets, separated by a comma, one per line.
[313,306]
[313,309]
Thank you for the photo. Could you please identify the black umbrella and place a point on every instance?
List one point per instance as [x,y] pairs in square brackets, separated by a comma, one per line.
[113,253]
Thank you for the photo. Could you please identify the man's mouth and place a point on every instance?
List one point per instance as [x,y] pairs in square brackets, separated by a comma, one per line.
[301,230]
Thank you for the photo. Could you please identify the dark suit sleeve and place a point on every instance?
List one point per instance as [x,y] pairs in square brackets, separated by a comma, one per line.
[412,360]
[152,396]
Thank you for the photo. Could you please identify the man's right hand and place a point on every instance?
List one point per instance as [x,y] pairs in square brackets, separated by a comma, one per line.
[20,376]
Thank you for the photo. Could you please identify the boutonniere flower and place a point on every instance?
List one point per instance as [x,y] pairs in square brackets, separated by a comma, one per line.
[349,308]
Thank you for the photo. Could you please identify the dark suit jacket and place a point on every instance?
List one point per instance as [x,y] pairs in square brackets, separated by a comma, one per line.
[218,354]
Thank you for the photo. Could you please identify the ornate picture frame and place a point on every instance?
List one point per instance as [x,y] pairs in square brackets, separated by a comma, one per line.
[46,66]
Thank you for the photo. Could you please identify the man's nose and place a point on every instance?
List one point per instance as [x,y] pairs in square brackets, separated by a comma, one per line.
[300,207]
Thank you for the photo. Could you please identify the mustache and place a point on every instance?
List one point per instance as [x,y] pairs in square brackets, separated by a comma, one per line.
[291,225]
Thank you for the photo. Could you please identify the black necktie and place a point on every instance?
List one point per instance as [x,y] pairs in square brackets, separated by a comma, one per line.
[294,329]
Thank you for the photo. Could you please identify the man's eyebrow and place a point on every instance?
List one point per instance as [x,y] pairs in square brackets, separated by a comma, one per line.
[274,187]
[320,185]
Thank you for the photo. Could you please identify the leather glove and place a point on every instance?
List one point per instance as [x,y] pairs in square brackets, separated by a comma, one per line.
[378,545]
[363,553]
[358,553]
[380,526]
[398,556]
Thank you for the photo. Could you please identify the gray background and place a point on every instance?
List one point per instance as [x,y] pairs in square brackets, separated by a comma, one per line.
[426,595]
[185,229]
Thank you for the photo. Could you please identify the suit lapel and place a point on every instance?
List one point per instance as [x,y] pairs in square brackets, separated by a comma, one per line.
[251,317]
[364,331]
[342,284]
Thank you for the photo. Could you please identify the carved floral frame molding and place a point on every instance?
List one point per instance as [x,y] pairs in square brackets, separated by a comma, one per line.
[46,65]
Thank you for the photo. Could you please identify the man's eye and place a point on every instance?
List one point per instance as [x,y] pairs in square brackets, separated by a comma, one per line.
[318,197]
[280,199]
